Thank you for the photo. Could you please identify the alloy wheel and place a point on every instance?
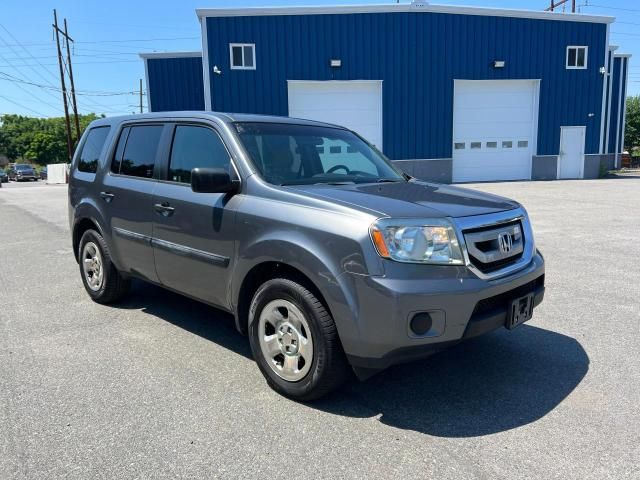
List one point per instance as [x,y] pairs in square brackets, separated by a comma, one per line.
[285,340]
[92,266]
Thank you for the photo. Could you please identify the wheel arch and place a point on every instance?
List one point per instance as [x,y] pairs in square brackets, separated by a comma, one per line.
[87,215]
[261,273]
[79,228]
[307,266]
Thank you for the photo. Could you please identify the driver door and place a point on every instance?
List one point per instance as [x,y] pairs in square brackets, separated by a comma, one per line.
[193,234]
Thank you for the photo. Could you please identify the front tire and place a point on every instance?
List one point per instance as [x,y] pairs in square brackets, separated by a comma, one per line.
[295,342]
[102,280]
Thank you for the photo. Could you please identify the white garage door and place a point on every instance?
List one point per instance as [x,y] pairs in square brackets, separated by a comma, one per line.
[494,129]
[355,104]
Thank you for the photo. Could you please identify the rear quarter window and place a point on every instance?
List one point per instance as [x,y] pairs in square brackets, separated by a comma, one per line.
[137,149]
[92,148]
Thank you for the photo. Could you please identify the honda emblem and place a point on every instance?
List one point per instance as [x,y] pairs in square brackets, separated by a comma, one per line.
[505,242]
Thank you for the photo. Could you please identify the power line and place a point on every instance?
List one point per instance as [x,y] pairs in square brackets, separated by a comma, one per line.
[94,42]
[611,8]
[35,97]
[22,106]
[78,63]
[28,53]
[91,55]
[37,72]
[12,78]
[625,33]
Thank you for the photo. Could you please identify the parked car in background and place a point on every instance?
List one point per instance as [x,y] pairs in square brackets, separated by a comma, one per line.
[4,177]
[328,256]
[21,171]
[43,173]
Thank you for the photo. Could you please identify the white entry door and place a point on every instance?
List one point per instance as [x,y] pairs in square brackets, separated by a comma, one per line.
[355,104]
[494,129]
[571,159]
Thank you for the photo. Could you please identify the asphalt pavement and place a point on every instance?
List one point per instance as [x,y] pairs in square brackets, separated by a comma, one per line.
[160,386]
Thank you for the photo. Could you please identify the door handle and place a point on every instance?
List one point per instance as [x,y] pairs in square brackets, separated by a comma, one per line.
[164,209]
[107,196]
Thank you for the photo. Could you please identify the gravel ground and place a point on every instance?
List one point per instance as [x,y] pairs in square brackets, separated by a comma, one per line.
[163,387]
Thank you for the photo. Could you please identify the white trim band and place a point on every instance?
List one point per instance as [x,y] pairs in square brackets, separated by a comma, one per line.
[154,55]
[418,8]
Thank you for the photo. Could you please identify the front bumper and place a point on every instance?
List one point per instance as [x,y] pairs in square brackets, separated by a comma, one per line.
[462,304]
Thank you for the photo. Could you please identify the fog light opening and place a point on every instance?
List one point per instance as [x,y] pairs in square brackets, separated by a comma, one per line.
[421,323]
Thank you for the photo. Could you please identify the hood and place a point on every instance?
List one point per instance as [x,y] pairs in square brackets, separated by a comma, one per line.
[411,199]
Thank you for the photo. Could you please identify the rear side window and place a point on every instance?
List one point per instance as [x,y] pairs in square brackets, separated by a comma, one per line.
[90,154]
[138,151]
[195,147]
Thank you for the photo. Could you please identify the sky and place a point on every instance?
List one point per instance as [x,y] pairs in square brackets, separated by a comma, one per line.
[109,35]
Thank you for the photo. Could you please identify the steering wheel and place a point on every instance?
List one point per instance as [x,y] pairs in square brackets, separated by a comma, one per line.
[339,167]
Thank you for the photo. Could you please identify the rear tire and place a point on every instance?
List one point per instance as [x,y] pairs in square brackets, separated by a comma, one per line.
[295,342]
[102,280]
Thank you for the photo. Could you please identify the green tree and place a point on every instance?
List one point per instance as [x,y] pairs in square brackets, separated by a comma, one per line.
[632,125]
[37,140]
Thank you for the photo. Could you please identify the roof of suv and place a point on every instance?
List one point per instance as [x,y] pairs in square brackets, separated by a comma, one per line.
[224,117]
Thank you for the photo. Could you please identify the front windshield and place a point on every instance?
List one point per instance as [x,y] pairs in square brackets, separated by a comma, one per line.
[23,167]
[287,154]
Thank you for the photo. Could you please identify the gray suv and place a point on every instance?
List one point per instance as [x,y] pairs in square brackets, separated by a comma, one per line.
[331,260]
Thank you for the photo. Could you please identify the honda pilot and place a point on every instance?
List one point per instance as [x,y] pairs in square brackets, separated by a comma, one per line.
[331,260]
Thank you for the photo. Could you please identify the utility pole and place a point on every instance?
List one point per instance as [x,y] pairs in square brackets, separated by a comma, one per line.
[73,87]
[64,88]
[141,96]
[555,4]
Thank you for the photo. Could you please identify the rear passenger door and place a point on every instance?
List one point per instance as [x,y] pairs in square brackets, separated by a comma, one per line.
[127,193]
[193,235]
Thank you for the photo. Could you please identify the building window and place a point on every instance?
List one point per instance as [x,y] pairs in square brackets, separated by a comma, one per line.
[577,58]
[475,145]
[507,144]
[492,144]
[458,145]
[523,143]
[243,56]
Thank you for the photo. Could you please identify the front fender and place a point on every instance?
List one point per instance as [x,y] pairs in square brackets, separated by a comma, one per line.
[313,259]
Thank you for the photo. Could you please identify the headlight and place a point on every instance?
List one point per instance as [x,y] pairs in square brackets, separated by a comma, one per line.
[417,241]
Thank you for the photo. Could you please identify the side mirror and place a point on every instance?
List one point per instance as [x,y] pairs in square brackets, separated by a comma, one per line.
[212,180]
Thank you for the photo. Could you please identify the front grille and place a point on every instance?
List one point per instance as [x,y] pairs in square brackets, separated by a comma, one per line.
[484,246]
[501,301]
[493,266]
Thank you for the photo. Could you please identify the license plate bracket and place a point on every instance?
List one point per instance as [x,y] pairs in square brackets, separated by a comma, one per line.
[520,311]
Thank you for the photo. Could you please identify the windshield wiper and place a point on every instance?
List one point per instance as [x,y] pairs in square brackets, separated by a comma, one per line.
[389,180]
[307,182]
[342,182]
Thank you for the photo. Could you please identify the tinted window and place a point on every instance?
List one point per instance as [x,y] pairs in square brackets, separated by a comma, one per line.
[90,154]
[140,151]
[196,147]
[117,158]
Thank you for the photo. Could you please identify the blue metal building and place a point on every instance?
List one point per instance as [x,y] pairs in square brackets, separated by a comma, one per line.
[174,81]
[451,93]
